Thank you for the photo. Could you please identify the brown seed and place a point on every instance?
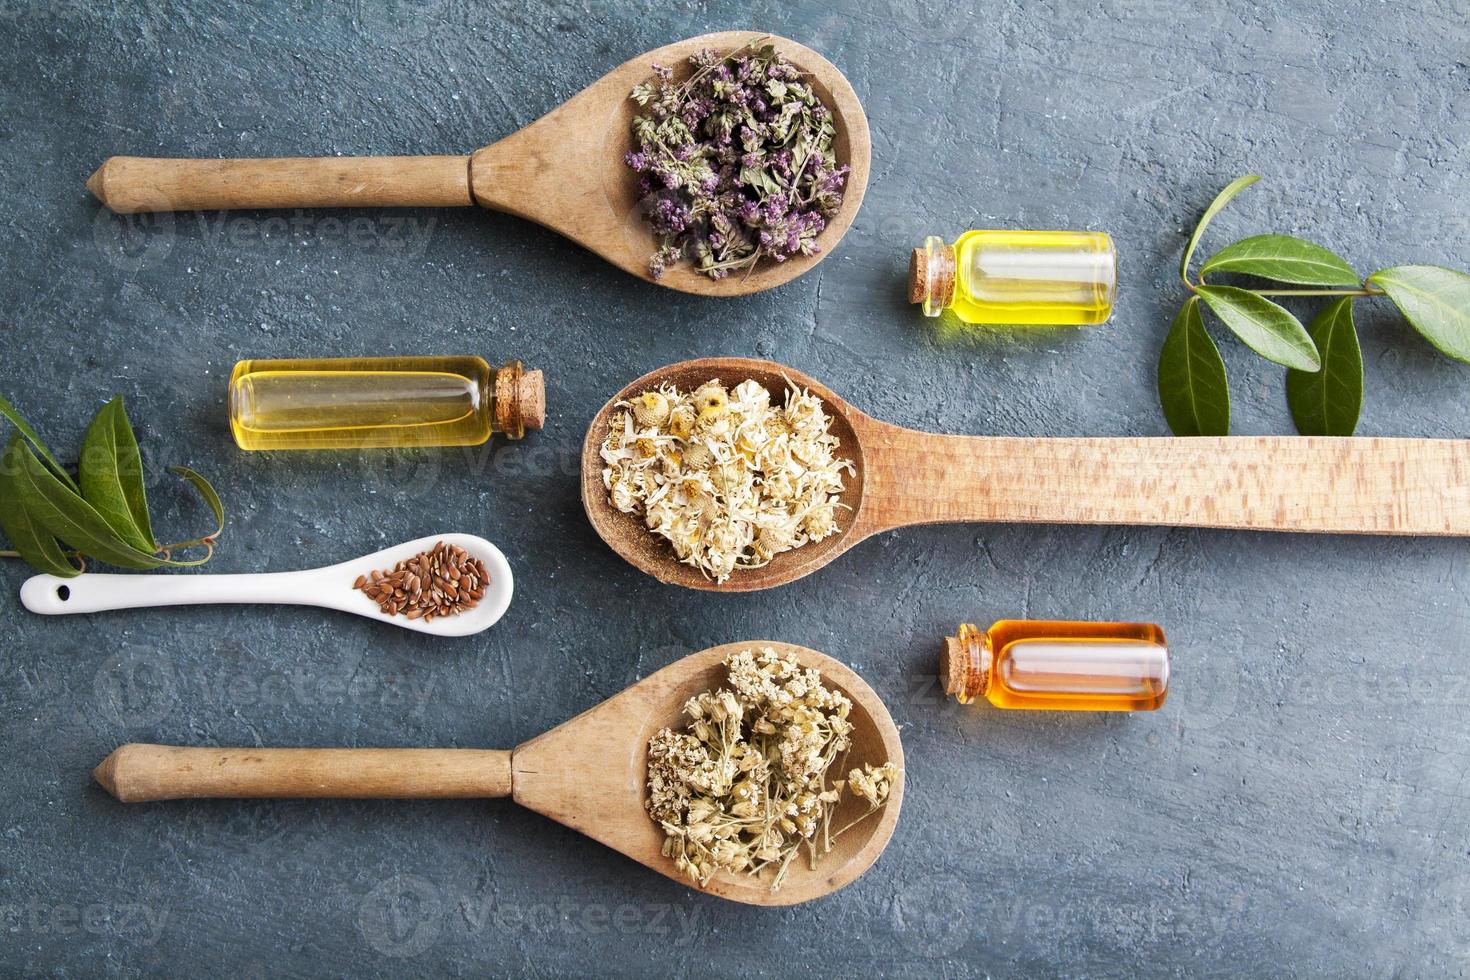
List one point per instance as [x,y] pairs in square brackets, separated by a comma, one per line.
[443,581]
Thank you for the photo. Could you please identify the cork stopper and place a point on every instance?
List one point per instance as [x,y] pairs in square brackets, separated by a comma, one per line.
[918,275]
[533,400]
[954,665]
[520,400]
[964,664]
[931,275]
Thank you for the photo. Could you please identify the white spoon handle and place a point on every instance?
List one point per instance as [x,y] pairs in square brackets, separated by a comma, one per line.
[91,593]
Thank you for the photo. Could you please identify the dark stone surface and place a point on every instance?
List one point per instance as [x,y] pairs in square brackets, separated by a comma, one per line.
[1297,809]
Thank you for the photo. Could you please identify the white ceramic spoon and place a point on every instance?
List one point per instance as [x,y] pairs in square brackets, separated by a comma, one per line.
[329,588]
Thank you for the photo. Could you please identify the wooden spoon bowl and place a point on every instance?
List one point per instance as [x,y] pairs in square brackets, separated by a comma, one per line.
[564,171]
[1351,485]
[629,537]
[589,773]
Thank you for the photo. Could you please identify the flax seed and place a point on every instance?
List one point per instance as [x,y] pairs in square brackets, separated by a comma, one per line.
[443,581]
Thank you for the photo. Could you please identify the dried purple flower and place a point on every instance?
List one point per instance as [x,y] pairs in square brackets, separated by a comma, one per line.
[735,164]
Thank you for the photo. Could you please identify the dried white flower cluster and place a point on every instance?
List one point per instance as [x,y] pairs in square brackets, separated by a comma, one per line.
[744,786]
[729,480]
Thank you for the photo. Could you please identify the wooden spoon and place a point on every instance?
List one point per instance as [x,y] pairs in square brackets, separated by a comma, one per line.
[1269,483]
[564,171]
[588,773]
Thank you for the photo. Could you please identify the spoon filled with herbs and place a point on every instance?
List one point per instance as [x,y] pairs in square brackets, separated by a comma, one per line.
[761,772]
[445,585]
[721,165]
[735,474]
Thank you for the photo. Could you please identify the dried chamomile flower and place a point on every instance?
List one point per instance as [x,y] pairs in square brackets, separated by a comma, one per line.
[726,477]
[744,787]
[711,400]
[698,457]
[651,409]
[681,422]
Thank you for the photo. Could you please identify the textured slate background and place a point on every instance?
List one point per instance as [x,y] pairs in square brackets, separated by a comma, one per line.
[1298,808]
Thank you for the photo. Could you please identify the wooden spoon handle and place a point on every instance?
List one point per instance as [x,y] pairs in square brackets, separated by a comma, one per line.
[140,773]
[129,185]
[1287,483]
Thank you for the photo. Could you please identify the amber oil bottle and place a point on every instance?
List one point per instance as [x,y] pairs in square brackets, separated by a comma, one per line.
[1058,666]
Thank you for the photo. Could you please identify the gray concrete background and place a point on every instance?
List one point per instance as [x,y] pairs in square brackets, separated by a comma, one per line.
[1297,808]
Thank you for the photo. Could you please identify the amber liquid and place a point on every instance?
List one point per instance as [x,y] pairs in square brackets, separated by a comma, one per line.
[353,403]
[1070,666]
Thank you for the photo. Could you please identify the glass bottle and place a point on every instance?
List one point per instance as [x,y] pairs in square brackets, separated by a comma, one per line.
[1017,277]
[361,402]
[1058,666]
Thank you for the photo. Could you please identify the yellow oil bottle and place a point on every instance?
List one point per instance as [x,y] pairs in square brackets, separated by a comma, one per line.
[1017,277]
[1058,666]
[378,402]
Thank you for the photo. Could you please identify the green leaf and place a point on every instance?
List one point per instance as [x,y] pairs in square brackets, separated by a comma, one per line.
[1266,328]
[1283,258]
[111,474]
[208,493]
[1221,199]
[1328,402]
[66,515]
[37,546]
[1435,300]
[1192,387]
[8,410]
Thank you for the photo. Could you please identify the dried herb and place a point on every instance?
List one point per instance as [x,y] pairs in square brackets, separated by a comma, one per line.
[102,513]
[728,479]
[744,788]
[1324,382]
[735,163]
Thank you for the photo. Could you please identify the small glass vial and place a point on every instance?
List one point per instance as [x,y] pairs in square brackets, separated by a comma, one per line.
[381,402]
[1017,277]
[1058,666]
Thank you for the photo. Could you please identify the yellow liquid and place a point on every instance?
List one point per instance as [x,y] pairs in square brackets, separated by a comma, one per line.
[1034,277]
[369,402]
[1073,666]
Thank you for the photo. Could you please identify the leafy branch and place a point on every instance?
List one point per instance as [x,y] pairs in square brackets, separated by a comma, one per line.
[1324,379]
[55,521]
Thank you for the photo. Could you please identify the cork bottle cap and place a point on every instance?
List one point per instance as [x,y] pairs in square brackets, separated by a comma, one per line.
[931,276]
[918,275]
[520,400]
[533,400]
[964,664]
[954,665]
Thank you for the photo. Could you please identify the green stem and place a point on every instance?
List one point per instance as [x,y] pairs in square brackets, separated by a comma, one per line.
[1364,291]
[1318,292]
